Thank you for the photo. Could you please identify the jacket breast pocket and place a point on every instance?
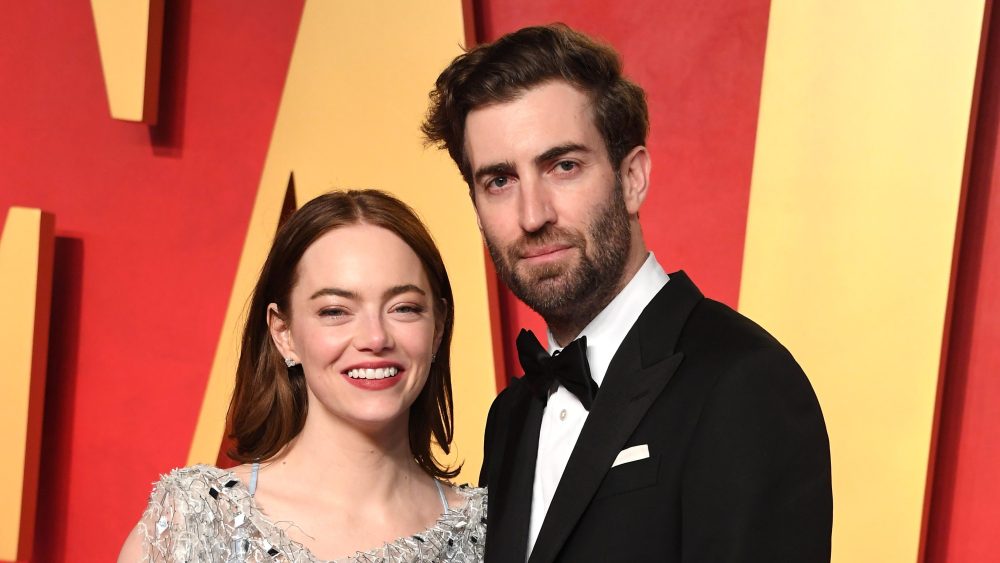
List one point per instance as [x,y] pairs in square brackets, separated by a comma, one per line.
[631,476]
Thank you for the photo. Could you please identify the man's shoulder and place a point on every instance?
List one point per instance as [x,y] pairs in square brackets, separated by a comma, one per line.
[726,347]
[714,326]
[512,394]
[712,336]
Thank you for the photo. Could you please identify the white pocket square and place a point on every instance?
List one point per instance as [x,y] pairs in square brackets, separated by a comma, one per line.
[628,455]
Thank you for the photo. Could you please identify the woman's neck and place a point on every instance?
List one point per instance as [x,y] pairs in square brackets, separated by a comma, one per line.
[349,462]
[347,488]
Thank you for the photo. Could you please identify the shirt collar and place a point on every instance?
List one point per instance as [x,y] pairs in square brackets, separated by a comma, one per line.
[606,332]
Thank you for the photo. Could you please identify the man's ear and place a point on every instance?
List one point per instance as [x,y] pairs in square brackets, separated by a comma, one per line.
[475,208]
[281,332]
[472,196]
[634,173]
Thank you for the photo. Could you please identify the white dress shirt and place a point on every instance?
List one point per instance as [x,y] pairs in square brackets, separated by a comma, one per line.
[564,415]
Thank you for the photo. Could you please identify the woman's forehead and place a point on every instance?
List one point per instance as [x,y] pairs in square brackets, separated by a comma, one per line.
[362,258]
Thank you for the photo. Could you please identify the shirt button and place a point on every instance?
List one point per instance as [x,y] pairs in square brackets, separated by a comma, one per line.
[562,414]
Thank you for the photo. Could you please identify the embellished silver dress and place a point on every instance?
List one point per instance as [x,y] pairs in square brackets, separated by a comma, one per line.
[206,514]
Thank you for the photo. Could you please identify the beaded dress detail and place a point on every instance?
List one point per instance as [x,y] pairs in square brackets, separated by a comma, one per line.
[206,514]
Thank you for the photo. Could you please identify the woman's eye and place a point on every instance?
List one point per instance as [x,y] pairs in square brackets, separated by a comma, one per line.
[408,309]
[332,312]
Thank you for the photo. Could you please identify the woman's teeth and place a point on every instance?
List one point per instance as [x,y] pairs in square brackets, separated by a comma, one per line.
[380,373]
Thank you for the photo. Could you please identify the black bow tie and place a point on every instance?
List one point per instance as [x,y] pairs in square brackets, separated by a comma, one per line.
[569,367]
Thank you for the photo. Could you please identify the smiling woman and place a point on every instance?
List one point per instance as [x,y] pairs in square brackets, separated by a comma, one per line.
[343,381]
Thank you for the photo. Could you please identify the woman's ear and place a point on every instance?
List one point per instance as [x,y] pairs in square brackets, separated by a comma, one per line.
[439,323]
[281,332]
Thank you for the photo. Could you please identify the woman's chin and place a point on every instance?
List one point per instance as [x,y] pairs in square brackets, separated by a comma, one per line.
[378,417]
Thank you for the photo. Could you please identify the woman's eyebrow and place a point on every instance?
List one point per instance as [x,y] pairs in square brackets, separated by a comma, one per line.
[401,289]
[347,294]
[334,291]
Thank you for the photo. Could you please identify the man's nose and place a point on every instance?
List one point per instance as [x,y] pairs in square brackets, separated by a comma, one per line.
[536,208]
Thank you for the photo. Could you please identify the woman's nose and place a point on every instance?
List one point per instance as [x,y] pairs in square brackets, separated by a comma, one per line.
[372,334]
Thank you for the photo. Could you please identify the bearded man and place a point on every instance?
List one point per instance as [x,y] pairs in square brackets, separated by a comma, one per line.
[664,426]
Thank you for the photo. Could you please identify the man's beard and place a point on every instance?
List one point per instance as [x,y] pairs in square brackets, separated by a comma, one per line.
[563,292]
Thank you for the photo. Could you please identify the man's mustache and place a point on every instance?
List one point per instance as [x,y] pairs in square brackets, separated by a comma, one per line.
[548,235]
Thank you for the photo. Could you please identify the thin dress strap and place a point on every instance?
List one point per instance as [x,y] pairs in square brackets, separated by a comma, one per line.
[444,500]
[253,477]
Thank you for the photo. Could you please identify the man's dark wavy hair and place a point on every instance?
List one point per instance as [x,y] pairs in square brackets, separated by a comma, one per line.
[503,70]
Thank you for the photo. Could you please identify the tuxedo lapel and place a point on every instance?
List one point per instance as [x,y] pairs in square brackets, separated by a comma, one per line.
[638,374]
[510,493]
[617,410]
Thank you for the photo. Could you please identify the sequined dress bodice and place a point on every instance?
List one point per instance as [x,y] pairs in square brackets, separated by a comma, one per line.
[206,514]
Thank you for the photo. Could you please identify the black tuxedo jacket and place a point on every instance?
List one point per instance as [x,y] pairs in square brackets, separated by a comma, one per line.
[739,459]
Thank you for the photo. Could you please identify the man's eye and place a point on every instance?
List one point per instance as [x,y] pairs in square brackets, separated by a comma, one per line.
[498,182]
[566,166]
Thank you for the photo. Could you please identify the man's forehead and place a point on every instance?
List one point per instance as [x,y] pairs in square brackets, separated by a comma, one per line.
[545,116]
[555,91]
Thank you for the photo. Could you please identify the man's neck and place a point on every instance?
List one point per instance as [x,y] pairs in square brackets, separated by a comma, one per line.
[566,329]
